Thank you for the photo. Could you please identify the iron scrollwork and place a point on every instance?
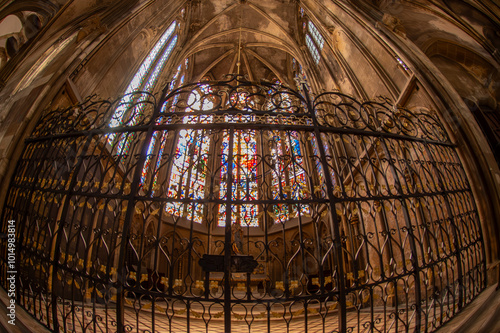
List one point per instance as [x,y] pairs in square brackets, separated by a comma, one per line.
[353,215]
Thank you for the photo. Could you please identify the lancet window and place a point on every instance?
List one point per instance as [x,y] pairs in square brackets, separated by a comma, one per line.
[189,167]
[244,168]
[144,80]
[161,136]
[314,41]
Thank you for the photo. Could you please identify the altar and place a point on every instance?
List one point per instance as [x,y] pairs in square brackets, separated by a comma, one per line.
[239,280]
[242,269]
[240,277]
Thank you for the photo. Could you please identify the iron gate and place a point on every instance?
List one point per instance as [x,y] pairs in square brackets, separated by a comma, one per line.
[235,205]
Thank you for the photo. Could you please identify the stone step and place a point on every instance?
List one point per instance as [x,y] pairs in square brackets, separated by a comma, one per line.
[481,316]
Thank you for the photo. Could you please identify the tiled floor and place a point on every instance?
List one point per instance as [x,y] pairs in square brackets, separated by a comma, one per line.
[88,320]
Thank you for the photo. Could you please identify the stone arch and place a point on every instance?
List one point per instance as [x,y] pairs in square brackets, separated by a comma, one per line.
[175,271]
[46,9]
[10,35]
[32,25]
[16,30]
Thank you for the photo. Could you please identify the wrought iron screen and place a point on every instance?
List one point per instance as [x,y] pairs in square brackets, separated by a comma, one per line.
[232,205]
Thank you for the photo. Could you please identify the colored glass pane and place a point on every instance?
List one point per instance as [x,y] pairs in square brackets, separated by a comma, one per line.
[244,177]
[244,167]
[318,165]
[288,175]
[122,111]
[189,167]
[139,77]
[153,78]
[173,85]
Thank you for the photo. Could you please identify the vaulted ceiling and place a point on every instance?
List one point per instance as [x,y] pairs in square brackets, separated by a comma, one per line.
[253,38]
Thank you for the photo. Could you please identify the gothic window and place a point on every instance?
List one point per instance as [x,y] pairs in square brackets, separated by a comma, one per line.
[189,168]
[315,35]
[144,80]
[244,168]
[161,136]
[288,174]
[288,168]
[232,205]
[314,41]
[312,48]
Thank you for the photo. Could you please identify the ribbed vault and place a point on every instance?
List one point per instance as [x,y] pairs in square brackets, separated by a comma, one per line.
[260,37]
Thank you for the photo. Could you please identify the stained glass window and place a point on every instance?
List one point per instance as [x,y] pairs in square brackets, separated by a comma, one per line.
[244,178]
[158,159]
[160,65]
[160,135]
[139,77]
[148,87]
[244,168]
[175,83]
[149,157]
[145,79]
[189,167]
[288,175]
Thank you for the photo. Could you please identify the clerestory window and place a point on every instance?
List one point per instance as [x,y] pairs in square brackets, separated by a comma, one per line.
[314,41]
[129,107]
[161,136]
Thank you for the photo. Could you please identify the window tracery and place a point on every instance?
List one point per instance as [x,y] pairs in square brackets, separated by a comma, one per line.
[161,136]
[244,163]
[314,41]
[189,168]
[144,80]
[312,49]
[320,41]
